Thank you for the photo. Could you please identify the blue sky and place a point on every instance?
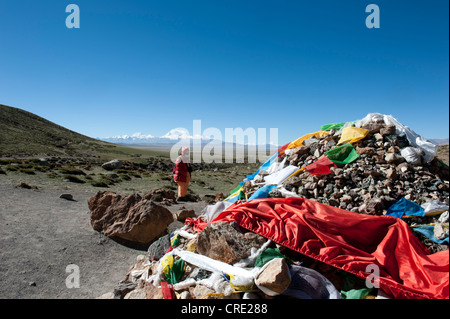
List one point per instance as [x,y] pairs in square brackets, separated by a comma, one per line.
[151,66]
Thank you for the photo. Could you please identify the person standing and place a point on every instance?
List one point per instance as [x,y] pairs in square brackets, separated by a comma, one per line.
[182,173]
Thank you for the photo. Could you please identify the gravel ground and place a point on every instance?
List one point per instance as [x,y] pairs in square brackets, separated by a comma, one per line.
[42,234]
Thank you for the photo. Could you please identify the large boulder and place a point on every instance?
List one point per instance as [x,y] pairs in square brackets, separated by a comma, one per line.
[129,217]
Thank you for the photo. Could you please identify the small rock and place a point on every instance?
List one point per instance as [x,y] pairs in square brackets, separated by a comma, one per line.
[393,158]
[183,214]
[152,292]
[444,217]
[375,206]
[158,248]
[378,137]
[43,162]
[108,295]
[365,150]
[441,230]
[387,130]
[123,288]
[346,199]
[275,193]
[391,174]
[138,293]
[274,277]
[219,197]
[26,186]
[66,196]
[111,165]
[373,127]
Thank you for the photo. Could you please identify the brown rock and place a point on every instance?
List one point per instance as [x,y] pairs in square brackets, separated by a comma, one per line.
[373,127]
[105,206]
[374,206]
[387,130]
[346,199]
[221,241]
[156,194]
[123,288]
[128,217]
[393,158]
[138,293]
[200,291]
[274,277]
[365,150]
[219,197]
[152,292]
[26,186]
[391,174]
[183,214]
[108,295]
[301,150]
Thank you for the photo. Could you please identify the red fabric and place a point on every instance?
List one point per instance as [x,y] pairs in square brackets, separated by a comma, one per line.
[348,241]
[321,166]
[180,171]
[167,290]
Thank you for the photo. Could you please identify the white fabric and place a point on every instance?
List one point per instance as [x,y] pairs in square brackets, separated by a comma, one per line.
[414,139]
[280,176]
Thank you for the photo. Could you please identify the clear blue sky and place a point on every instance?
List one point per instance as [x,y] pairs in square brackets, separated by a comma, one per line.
[151,66]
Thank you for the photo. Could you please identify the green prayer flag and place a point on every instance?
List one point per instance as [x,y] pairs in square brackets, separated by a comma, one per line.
[343,154]
[334,126]
[267,255]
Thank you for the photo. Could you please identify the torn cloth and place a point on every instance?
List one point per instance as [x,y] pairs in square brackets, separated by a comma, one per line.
[348,241]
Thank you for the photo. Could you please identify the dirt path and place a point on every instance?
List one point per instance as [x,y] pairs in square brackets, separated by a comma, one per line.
[41,234]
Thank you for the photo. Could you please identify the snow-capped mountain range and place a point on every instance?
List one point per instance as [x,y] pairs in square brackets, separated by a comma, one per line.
[172,137]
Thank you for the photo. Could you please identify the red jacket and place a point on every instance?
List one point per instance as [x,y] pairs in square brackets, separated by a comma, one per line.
[181,170]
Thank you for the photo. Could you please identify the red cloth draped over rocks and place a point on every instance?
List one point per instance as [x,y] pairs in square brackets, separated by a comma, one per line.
[347,241]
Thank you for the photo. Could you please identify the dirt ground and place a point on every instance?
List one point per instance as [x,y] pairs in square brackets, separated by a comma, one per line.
[41,234]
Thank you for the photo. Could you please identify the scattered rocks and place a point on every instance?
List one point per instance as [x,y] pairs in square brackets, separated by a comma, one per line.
[375,180]
[161,195]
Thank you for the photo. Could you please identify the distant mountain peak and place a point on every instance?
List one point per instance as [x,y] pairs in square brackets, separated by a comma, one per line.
[177,134]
